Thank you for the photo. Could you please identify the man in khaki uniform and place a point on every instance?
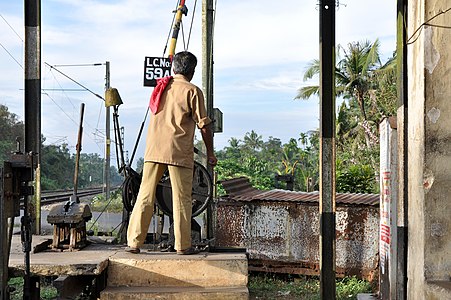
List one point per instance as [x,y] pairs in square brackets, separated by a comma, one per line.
[177,106]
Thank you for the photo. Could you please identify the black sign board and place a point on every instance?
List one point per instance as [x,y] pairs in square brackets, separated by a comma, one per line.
[155,68]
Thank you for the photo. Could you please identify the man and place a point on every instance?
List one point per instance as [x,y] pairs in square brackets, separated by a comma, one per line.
[177,106]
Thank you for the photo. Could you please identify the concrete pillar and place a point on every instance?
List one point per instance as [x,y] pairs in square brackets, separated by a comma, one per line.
[429,153]
[388,241]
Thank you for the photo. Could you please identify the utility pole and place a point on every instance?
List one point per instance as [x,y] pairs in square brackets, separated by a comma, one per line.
[402,117]
[33,100]
[106,174]
[327,148]
[207,82]
[32,137]
[207,54]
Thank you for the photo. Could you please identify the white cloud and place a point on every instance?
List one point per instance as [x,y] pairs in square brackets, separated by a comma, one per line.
[260,52]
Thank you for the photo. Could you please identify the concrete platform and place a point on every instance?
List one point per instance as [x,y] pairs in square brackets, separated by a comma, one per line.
[148,275]
[366,297]
[155,269]
[438,290]
[91,260]
[175,293]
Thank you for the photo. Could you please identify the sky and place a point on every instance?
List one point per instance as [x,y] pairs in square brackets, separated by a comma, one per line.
[261,51]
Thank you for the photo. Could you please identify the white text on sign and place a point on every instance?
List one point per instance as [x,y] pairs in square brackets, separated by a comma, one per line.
[155,68]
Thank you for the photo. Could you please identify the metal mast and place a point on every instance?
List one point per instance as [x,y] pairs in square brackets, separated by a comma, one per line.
[327,148]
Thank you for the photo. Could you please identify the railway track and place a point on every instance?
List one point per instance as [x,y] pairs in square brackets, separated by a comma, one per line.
[50,197]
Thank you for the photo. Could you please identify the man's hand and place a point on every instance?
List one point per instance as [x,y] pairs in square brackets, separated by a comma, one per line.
[207,136]
[212,160]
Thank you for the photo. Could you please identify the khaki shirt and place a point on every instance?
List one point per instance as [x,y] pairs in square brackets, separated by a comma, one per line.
[170,135]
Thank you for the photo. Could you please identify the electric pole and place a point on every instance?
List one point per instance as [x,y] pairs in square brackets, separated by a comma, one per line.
[106,174]
[327,148]
[207,82]
[33,100]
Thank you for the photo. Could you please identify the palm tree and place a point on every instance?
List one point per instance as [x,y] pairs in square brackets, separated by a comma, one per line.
[253,141]
[353,73]
[357,75]
[233,150]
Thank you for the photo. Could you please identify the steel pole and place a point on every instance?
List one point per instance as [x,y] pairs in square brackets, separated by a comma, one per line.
[176,28]
[207,83]
[106,174]
[327,148]
[33,96]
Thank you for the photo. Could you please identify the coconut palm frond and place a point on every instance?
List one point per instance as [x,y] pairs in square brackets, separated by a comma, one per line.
[307,91]
[312,69]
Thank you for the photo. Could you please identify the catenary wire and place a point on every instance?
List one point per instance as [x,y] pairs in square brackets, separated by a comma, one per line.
[11,28]
[170,29]
[76,82]
[9,53]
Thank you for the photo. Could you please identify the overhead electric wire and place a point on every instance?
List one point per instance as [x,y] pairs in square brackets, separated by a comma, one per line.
[100,113]
[20,38]
[100,134]
[96,133]
[80,65]
[9,53]
[70,118]
[64,91]
[64,112]
[76,82]
[191,26]
[170,29]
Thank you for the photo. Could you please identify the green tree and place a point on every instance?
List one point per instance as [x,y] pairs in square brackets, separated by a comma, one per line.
[368,89]
[356,77]
[11,129]
[57,167]
[234,149]
[308,168]
[356,179]
[91,170]
[252,141]
[261,165]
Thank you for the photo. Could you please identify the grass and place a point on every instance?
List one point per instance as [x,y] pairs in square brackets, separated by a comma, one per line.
[114,204]
[47,291]
[288,287]
[261,286]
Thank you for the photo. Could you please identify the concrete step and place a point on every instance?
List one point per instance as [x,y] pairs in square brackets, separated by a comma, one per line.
[156,269]
[438,289]
[175,293]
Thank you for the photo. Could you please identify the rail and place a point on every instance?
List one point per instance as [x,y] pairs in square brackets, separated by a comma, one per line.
[50,197]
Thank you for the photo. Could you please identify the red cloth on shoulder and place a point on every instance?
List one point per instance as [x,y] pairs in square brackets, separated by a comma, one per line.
[157,92]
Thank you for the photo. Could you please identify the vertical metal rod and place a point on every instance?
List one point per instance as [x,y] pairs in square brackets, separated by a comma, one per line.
[207,82]
[33,92]
[176,29]
[401,45]
[327,149]
[77,154]
[4,242]
[106,175]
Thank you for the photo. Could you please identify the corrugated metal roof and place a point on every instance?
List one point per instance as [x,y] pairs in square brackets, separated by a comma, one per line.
[240,189]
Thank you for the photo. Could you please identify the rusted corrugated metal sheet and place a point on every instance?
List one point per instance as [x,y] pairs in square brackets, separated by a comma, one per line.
[280,229]
[240,189]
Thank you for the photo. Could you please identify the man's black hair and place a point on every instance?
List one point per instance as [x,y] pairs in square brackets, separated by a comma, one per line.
[184,63]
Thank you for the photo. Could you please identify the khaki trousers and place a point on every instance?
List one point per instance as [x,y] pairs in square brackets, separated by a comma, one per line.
[182,183]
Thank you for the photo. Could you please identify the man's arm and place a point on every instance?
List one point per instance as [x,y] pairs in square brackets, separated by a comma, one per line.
[207,136]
